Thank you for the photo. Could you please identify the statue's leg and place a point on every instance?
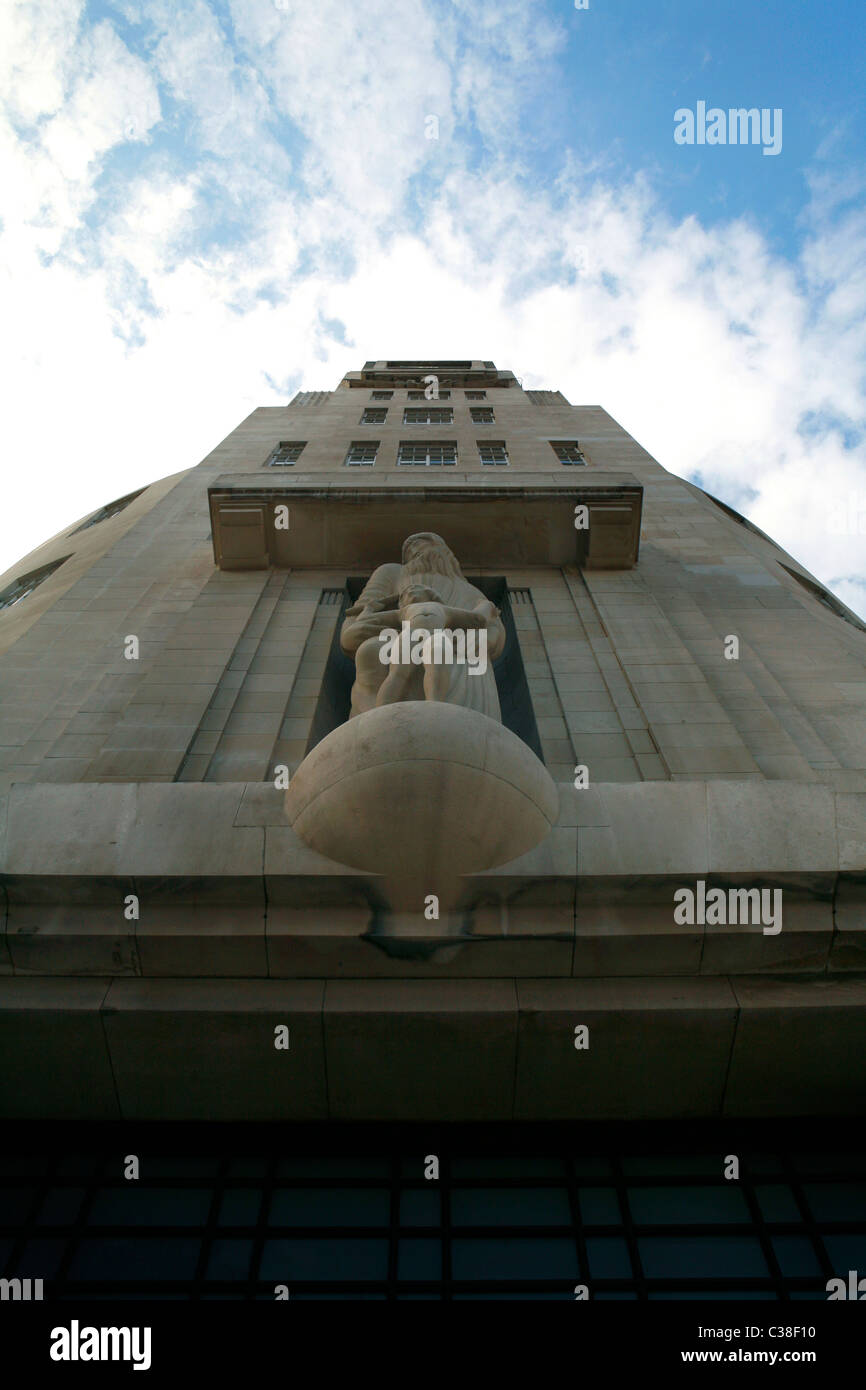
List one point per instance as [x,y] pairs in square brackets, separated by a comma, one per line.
[369,675]
[437,681]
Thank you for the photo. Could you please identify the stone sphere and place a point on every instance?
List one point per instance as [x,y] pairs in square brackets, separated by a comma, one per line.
[422,788]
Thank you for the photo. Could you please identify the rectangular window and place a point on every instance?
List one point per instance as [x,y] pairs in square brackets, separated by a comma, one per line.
[374,415]
[287,452]
[567,450]
[437,453]
[381,395]
[492,451]
[422,396]
[428,415]
[481,414]
[476,395]
[21,587]
[362,453]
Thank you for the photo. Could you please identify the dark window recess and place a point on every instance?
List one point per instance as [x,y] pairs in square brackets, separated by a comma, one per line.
[287,452]
[26,583]
[824,596]
[374,415]
[381,395]
[110,509]
[641,1211]
[568,451]
[428,415]
[517,713]
[420,366]
[362,453]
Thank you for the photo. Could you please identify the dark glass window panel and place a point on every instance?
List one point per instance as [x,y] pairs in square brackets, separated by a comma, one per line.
[419,1258]
[702,1257]
[847,1252]
[326,1258]
[838,1201]
[420,1208]
[124,1259]
[525,1296]
[608,1257]
[330,1206]
[796,1256]
[510,1206]
[240,1206]
[777,1203]
[599,1206]
[229,1259]
[662,1206]
[726,1295]
[514,1257]
[150,1206]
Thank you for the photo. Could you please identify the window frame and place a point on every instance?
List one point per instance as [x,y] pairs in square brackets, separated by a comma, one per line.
[427,445]
[361,445]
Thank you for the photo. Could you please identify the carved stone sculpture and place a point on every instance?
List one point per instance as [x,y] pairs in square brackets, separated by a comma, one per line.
[428,593]
[423,786]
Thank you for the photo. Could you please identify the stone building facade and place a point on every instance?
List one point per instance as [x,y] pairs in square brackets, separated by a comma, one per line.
[168,665]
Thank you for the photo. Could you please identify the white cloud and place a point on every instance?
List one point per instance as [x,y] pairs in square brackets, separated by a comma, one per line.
[206,275]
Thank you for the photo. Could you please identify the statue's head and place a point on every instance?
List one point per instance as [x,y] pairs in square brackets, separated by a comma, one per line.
[425,552]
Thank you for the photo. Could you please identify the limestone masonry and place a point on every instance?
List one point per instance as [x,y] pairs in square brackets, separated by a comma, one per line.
[219,817]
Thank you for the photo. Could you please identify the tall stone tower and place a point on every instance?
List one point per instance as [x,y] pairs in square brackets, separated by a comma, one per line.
[248,874]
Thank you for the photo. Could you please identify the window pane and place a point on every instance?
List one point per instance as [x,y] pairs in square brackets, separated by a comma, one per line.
[796,1256]
[334,1206]
[656,1206]
[777,1203]
[708,1257]
[599,1206]
[608,1257]
[841,1201]
[229,1259]
[514,1257]
[142,1206]
[324,1258]
[240,1207]
[419,1258]
[420,1208]
[510,1206]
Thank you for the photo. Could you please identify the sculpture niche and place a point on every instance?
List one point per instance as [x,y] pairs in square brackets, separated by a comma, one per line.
[424,784]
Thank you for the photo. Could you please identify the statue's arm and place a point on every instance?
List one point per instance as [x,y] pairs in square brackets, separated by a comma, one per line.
[495,627]
[359,623]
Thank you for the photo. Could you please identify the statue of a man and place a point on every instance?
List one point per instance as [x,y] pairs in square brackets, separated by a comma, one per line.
[425,593]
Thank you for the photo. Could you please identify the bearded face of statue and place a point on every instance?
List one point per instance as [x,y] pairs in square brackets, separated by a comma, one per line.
[427,553]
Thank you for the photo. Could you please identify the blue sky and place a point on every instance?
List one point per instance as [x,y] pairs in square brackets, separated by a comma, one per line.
[209,205]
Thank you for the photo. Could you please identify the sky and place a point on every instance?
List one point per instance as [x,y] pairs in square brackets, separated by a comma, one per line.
[205,207]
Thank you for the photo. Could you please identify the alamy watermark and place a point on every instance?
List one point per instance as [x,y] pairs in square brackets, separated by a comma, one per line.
[713,907]
[736,126]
